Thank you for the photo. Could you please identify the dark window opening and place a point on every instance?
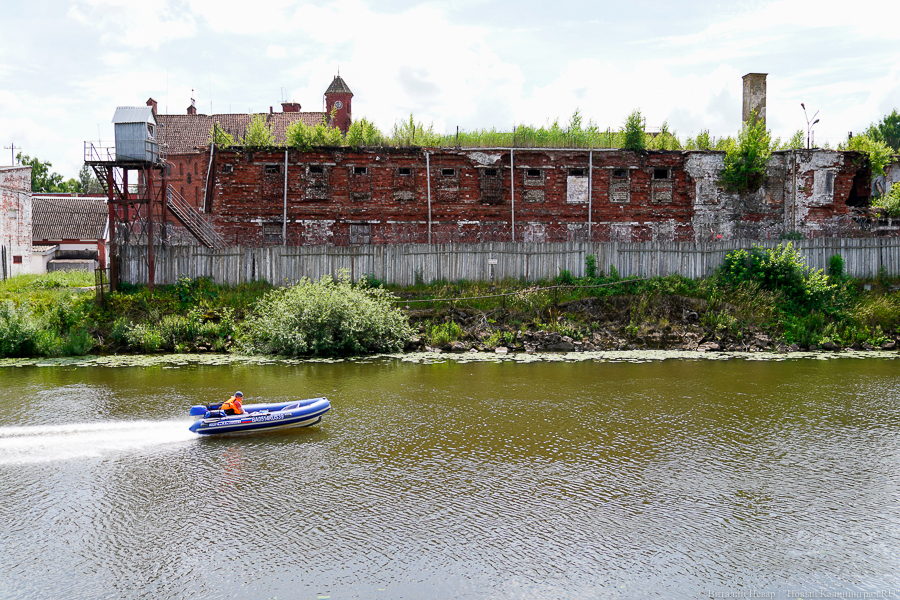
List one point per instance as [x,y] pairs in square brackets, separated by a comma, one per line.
[404,171]
[660,173]
[273,169]
[360,170]
[448,172]
[576,172]
[491,172]
[533,173]
[227,169]
[620,173]
[316,169]
[17,260]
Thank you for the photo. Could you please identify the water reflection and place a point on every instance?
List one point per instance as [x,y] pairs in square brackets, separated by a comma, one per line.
[456,480]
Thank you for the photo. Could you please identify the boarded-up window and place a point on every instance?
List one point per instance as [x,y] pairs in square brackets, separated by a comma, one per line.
[492,189]
[360,234]
[823,187]
[620,186]
[404,184]
[360,184]
[316,182]
[577,232]
[272,232]
[577,187]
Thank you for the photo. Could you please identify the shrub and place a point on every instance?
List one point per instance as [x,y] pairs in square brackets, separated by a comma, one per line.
[780,269]
[441,334]
[21,334]
[219,136]
[565,278]
[258,134]
[325,318]
[890,202]
[745,161]
[836,266]
[879,152]
[633,132]
[363,133]
[590,266]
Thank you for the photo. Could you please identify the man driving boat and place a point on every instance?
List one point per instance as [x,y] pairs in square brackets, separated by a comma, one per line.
[234,405]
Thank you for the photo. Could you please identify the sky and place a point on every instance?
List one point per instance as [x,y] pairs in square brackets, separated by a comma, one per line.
[66,65]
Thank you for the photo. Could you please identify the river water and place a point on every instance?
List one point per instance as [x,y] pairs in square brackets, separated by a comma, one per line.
[613,478]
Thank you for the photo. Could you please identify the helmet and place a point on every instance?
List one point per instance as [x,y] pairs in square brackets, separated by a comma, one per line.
[239,394]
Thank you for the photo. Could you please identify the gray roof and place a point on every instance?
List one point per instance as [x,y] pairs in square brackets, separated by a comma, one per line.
[338,87]
[134,114]
[61,218]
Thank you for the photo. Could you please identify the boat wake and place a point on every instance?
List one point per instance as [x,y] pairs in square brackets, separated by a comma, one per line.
[47,443]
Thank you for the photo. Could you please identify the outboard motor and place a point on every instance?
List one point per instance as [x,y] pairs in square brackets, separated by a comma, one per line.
[207,411]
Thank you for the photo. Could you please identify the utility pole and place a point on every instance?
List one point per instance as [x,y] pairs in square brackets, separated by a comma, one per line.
[12,153]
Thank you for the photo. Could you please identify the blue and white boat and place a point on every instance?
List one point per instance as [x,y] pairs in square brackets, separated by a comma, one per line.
[297,413]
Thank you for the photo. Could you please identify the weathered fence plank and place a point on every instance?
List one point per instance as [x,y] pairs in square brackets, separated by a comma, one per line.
[407,264]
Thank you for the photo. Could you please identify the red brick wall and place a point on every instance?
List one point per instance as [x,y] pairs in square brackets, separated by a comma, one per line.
[343,197]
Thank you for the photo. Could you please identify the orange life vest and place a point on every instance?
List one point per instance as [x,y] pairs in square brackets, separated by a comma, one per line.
[233,406]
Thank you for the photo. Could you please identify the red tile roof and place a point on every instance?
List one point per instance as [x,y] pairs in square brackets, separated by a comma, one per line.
[184,134]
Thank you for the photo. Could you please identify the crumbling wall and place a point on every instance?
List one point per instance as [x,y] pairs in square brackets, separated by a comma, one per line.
[381,196]
[15,221]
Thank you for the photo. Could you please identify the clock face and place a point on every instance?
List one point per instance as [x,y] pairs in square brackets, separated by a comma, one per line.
[338,104]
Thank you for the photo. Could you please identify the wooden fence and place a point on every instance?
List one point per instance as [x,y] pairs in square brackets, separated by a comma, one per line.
[407,264]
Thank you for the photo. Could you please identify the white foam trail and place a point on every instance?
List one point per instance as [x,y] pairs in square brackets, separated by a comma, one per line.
[46,443]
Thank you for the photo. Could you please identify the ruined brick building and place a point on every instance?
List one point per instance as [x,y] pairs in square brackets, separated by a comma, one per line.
[438,195]
[15,220]
[346,196]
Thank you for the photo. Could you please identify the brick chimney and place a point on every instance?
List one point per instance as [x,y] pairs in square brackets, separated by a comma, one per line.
[290,107]
[754,97]
[152,104]
[192,109]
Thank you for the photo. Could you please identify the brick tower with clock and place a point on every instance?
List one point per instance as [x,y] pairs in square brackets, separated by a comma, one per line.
[337,98]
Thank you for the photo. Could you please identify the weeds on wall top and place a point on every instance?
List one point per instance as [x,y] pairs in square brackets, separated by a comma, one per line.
[745,162]
[259,134]
[633,132]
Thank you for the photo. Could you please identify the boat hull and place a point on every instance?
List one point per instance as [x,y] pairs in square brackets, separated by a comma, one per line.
[259,417]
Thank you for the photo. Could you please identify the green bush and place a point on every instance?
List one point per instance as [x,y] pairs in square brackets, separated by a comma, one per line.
[441,334]
[21,333]
[745,161]
[890,202]
[879,153]
[590,266]
[633,132]
[780,269]
[325,318]
[836,266]
[258,135]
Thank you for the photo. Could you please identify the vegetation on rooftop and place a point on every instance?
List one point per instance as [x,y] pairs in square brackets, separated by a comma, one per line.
[576,133]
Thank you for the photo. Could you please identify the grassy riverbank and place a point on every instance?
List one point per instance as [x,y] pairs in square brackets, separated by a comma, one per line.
[759,300]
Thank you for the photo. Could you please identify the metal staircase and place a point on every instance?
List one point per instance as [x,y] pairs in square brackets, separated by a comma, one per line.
[192,220]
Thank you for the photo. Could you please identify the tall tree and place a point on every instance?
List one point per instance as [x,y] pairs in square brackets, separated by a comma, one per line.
[42,180]
[887,131]
[88,181]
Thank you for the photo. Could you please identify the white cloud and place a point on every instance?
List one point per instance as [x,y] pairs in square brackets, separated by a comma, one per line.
[136,24]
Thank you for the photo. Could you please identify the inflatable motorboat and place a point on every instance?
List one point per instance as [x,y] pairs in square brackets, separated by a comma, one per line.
[298,413]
